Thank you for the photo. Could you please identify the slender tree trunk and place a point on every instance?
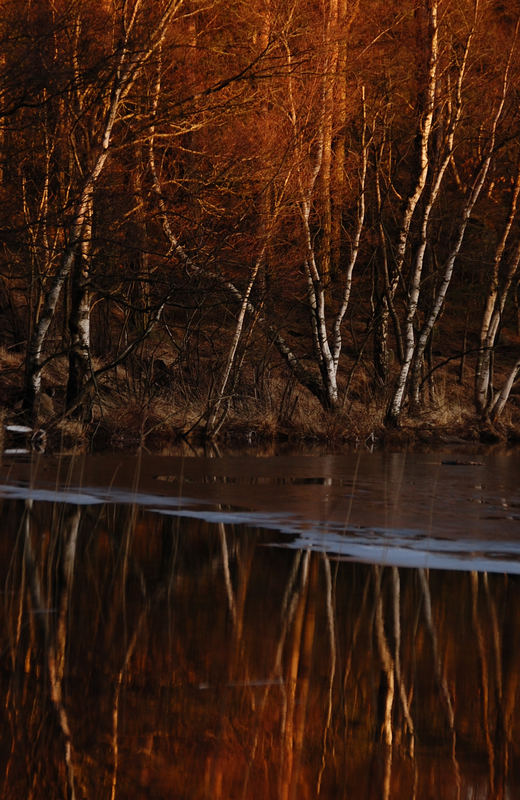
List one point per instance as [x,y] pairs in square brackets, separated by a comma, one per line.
[327,128]
[495,302]
[338,181]
[425,128]
[356,241]
[213,424]
[79,320]
[33,372]
[384,301]
[500,400]
[418,354]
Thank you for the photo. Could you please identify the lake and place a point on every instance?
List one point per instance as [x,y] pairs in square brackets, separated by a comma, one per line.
[291,626]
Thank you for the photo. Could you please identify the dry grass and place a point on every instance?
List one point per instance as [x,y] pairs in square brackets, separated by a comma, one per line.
[130,412]
[70,436]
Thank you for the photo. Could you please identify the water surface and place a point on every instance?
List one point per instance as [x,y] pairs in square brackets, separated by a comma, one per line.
[284,627]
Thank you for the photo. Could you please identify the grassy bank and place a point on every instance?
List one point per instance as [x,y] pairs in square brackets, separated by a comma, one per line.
[157,415]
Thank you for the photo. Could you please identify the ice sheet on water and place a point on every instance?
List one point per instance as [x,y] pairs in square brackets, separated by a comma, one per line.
[397,547]
[88,496]
[49,495]
[397,509]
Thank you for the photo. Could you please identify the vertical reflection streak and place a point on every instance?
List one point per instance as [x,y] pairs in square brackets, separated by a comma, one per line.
[331,627]
[117,695]
[439,674]
[56,640]
[304,673]
[387,662]
[14,632]
[227,573]
[484,677]
[396,586]
[287,612]
[497,646]
[286,773]
[355,635]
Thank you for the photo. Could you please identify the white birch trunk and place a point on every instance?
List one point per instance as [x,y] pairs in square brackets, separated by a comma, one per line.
[79,319]
[438,304]
[502,397]
[213,423]
[495,302]
[317,281]
[347,288]
[396,402]
[325,179]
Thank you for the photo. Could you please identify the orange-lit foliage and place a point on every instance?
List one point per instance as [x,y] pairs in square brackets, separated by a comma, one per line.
[272,124]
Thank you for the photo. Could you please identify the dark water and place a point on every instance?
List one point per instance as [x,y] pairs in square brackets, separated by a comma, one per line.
[288,627]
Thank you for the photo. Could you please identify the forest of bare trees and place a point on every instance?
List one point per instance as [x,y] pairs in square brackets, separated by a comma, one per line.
[285,211]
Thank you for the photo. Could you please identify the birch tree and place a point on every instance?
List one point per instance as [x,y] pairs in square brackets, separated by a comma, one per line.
[324,311]
[489,401]
[138,37]
[424,134]
[465,215]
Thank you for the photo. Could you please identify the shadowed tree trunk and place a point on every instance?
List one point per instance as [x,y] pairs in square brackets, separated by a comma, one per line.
[79,322]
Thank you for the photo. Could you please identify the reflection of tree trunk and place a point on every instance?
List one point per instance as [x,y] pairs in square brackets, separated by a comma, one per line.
[387,662]
[332,639]
[387,690]
[510,655]
[484,678]
[439,675]
[287,611]
[117,696]
[56,640]
[304,674]
[227,574]
[244,565]
[396,586]
[358,624]
[288,731]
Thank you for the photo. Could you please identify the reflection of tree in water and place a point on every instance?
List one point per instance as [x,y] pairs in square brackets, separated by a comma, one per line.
[143,656]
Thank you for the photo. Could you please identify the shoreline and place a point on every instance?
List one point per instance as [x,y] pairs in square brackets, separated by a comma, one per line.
[103,436]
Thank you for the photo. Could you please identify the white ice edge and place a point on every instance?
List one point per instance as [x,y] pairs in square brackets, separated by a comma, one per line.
[382,545]
[91,496]
[396,547]
[393,555]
